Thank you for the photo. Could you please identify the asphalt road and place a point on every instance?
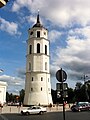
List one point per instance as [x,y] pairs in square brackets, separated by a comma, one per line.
[49,116]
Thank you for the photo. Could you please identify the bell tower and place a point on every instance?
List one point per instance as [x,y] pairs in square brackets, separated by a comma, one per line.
[37,84]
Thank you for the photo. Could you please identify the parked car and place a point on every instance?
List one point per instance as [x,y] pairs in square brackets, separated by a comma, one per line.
[34,110]
[81,107]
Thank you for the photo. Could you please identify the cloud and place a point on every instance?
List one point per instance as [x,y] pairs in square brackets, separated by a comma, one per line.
[31,19]
[75,57]
[60,13]
[72,14]
[14,83]
[83,32]
[10,27]
[54,35]
[18,4]
[21,73]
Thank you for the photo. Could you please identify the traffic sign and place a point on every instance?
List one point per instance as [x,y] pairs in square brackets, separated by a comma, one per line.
[58,94]
[61,90]
[61,75]
[59,86]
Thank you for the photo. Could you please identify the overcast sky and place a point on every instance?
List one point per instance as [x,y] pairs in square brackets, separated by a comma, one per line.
[68,23]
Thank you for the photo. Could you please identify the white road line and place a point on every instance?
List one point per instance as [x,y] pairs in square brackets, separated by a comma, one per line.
[3,117]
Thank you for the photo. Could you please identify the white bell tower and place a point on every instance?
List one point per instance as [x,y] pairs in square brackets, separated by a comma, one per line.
[37,85]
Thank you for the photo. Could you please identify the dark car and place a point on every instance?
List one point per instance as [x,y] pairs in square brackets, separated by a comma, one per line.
[81,107]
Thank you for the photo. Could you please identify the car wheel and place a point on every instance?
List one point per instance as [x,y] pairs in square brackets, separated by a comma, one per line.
[27,113]
[79,110]
[41,113]
[22,113]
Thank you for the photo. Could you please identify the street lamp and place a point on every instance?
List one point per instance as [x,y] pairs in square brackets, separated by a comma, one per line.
[3,3]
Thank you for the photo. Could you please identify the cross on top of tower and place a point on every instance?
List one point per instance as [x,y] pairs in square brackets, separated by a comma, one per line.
[38,21]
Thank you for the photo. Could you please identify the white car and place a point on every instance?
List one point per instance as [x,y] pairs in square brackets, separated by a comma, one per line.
[34,110]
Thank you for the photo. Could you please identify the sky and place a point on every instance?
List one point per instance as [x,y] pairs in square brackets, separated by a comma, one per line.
[68,23]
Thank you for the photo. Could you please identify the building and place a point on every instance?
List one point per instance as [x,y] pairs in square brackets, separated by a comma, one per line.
[3,3]
[37,85]
[3,86]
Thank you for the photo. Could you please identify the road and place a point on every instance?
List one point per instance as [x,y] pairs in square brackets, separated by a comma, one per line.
[48,116]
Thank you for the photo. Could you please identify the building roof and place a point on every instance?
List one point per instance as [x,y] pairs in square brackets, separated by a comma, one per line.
[3,83]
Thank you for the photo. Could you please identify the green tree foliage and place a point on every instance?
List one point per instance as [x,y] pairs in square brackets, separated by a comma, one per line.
[15,98]
[10,97]
[22,93]
[54,96]
[71,95]
[74,95]
[78,85]
[82,92]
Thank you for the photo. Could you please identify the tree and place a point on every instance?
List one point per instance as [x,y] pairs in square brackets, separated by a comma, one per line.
[54,96]
[7,96]
[71,95]
[78,85]
[22,93]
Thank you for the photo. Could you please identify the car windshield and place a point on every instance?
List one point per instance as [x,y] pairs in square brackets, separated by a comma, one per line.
[30,108]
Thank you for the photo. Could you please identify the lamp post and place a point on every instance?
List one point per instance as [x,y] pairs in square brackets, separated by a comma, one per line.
[3,3]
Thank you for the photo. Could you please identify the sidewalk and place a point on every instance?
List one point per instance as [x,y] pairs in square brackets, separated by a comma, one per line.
[12,109]
[15,109]
[58,108]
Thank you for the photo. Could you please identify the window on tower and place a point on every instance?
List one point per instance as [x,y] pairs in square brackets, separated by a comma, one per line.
[44,33]
[32,78]
[30,49]
[31,32]
[38,34]
[45,65]
[46,49]
[41,88]
[38,48]
[41,78]
[29,66]
[48,89]
[31,89]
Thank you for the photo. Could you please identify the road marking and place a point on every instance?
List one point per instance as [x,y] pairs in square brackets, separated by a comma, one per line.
[3,117]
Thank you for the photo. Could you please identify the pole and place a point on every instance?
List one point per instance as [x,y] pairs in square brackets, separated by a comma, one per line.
[63,95]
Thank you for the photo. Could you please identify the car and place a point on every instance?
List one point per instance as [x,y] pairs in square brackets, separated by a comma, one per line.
[34,110]
[81,107]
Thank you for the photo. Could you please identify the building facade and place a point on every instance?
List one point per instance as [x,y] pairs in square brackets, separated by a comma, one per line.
[3,86]
[37,84]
